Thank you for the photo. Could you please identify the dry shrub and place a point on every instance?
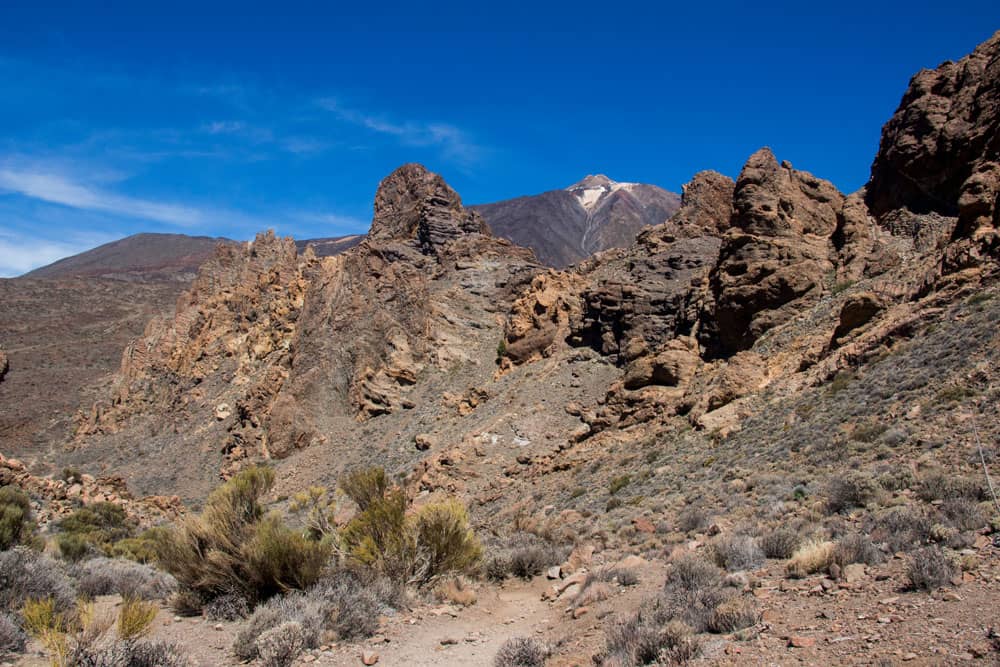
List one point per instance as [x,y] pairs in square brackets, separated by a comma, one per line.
[691,519]
[929,568]
[780,542]
[855,489]
[12,637]
[521,652]
[964,514]
[736,552]
[641,640]
[281,645]
[734,614]
[346,602]
[940,485]
[902,528]
[232,547]
[107,576]
[856,548]
[457,590]
[26,574]
[17,526]
[813,556]
[691,572]
[83,638]
[523,555]
[229,607]
[307,612]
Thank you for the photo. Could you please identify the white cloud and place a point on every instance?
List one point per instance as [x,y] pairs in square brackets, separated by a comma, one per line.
[57,189]
[20,254]
[453,142]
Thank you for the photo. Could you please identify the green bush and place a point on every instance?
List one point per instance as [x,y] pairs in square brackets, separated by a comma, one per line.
[93,529]
[618,483]
[444,539]
[232,547]
[365,486]
[436,540]
[16,523]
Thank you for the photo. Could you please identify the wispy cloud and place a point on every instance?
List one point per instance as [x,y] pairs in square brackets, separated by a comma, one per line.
[20,253]
[58,189]
[454,143]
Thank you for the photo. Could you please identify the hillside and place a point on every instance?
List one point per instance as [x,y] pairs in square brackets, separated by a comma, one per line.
[761,433]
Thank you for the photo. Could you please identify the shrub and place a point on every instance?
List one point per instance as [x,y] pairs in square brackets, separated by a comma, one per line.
[16,523]
[856,548]
[780,543]
[107,576]
[92,528]
[347,602]
[964,514]
[365,486]
[852,490]
[943,486]
[902,528]
[736,552]
[318,506]
[228,607]
[811,557]
[734,614]
[27,574]
[233,548]
[642,640]
[279,646]
[618,483]
[523,555]
[691,519]
[929,568]
[691,572]
[445,542]
[521,652]
[135,618]
[304,610]
[12,637]
[134,654]
[379,538]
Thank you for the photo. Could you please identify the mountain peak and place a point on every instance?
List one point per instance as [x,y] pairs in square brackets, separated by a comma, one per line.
[592,181]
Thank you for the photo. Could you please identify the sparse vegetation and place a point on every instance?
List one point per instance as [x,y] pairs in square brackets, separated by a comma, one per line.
[929,568]
[780,542]
[618,483]
[106,576]
[521,555]
[855,548]
[855,489]
[232,547]
[92,530]
[26,574]
[12,637]
[521,652]
[813,556]
[17,526]
[736,552]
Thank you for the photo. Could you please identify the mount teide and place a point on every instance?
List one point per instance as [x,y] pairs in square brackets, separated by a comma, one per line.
[566,226]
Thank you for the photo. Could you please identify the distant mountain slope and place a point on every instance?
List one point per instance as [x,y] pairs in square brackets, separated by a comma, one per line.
[566,226]
[161,256]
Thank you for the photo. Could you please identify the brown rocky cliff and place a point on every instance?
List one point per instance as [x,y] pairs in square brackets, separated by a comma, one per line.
[940,153]
[271,352]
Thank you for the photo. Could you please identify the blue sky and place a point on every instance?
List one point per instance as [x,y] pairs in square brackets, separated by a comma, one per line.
[225,119]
